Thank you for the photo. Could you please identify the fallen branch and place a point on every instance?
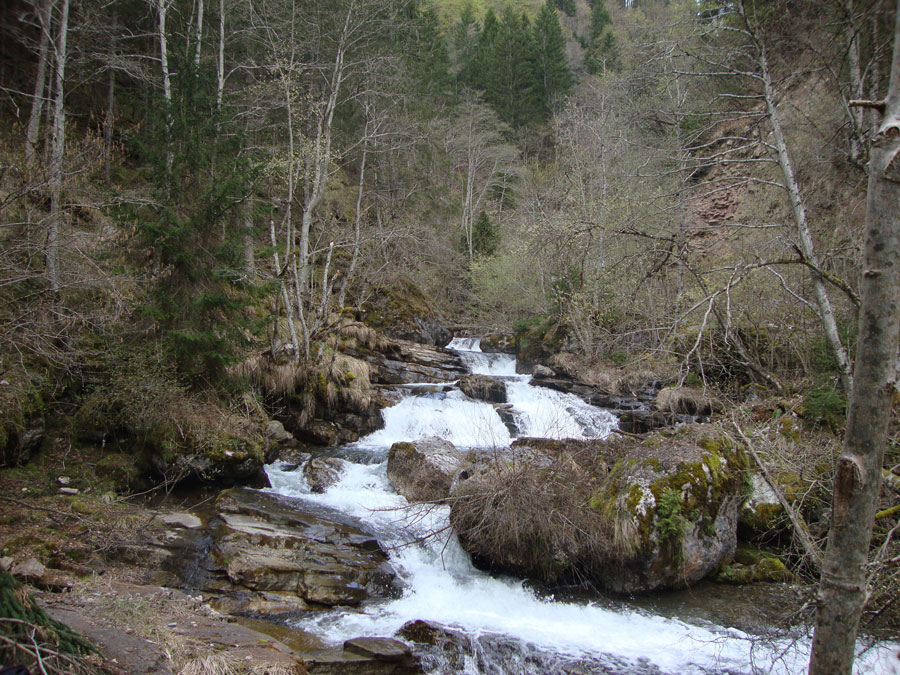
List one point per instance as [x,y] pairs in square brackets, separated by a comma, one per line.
[806,541]
[887,512]
[44,508]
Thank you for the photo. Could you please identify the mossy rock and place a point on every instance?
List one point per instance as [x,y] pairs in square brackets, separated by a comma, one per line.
[753,566]
[628,515]
[119,471]
[21,417]
[401,310]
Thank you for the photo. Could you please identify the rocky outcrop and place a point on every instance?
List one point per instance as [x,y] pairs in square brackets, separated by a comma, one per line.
[401,310]
[405,362]
[483,388]
[268,557]
[628,514]
[424,471]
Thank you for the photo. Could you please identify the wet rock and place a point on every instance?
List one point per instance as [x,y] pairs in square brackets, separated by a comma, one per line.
[318,432]
[275,430]
[401,310]
[644,421]
[483,388]
[509,417]
[267,549]
[498,343]
[424,470]
[187,521]
[71,492]
[627,514]
[381,648]
[322,472]
[404,362]
[365,656]
[542,372]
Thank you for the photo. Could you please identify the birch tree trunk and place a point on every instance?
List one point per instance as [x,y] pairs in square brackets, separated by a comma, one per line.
[801,224]
[57,153]
[162,7]
[198,36]
[40,83]
[842,588]
[220,63]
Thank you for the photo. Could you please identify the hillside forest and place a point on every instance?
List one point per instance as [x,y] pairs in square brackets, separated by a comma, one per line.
[212,211]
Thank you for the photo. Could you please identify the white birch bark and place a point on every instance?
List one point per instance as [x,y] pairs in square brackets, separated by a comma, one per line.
[198,36]
[801,224]
[40,83]
[58,149]
[220,63]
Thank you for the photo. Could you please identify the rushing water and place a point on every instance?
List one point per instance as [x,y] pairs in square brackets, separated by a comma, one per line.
[443,587]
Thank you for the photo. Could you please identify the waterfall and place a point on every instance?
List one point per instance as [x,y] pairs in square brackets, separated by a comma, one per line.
[508,628]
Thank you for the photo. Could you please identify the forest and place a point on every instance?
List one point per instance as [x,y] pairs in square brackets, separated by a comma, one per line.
[216,214]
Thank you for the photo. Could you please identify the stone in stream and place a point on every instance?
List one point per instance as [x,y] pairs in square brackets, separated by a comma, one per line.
[267,552]
[365,656]
[483,388]
[626,514]
[424,470]
[322,472]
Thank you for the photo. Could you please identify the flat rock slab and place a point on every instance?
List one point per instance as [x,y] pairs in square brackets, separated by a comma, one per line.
[382,648]
[365,656]
[187,521]
[176,613]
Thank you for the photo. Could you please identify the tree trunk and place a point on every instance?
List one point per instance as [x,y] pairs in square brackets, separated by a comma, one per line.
[198,37]
[162,7]
[57,153]
[40,83]
[109,122]
[851,34]
[842,588]
[220,64]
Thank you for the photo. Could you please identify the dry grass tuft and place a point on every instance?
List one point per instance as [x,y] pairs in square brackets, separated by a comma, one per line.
[685,401]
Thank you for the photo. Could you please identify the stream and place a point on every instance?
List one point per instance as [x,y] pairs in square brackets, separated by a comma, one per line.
[508,627]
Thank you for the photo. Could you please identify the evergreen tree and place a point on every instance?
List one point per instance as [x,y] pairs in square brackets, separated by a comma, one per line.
[512,86]
[482,66]
[465,40]
[567,7]
[430,60]
[554,75]
[602,51]
[201,176]
[485,235]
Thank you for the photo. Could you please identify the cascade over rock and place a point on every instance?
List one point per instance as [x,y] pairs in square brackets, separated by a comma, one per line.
[626,514]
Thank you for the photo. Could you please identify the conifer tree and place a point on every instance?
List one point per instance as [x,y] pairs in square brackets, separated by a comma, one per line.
[465,39]
[602,49]
[512,86]
[554,75]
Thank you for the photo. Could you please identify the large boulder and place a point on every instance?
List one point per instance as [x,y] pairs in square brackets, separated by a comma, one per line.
[269,555]
[626,514]
[424,471]
[483,388]
[323,472]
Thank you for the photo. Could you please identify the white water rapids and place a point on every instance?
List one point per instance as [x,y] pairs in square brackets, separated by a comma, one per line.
[443,587]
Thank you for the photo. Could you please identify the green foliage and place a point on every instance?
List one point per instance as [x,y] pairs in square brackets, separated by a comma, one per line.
[826,405]
[24,623]
[485,235]
[671,521]
[603,52]
[201,173]
[567,7]
[554,76]
[521,70]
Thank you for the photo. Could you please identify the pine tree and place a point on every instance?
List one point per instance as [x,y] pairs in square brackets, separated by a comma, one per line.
[431,62]
[512,86]
[465,40]
[554,75]
[485,235]
[602,51]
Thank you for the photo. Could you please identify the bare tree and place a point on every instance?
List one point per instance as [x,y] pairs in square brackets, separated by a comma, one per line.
[57,151]
[858,478]
[40,81]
